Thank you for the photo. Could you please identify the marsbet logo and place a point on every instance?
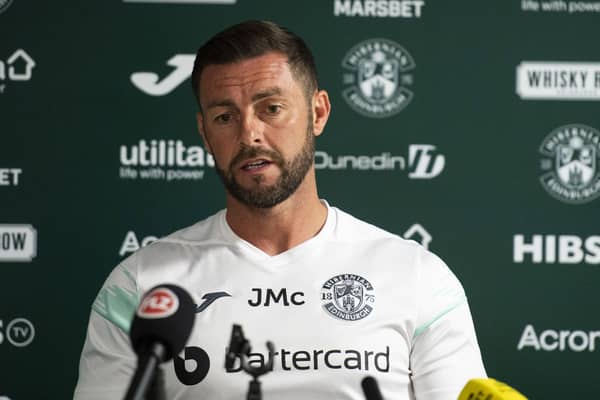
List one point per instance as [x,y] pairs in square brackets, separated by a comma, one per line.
[378,8]
[10,176]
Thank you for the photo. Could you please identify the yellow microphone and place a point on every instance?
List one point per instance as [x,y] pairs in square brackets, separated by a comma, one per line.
[489,389]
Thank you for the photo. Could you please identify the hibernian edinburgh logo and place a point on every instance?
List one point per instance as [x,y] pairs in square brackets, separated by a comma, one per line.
[570,170]
[348,296]
[376,78]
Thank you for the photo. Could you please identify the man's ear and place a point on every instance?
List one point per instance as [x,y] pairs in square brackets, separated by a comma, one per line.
[202,131]
[321,108]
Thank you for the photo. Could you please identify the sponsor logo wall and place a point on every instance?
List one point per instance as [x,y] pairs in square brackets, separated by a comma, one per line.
[476,132]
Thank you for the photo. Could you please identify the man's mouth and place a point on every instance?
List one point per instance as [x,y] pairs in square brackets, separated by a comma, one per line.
[255,164]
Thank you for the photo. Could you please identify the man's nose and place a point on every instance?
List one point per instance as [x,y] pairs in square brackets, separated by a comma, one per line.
[251,130]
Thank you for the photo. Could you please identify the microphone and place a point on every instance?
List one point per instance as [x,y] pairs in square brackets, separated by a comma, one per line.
[160,329]
[371,388]
[489,389]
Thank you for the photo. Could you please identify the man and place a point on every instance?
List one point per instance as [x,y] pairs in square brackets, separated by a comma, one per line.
[340,299]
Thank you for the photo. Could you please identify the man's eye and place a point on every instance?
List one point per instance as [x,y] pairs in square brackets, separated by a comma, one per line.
[273,108]
[223,118]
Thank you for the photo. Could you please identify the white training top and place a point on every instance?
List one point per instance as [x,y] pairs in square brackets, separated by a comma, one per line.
[352,301]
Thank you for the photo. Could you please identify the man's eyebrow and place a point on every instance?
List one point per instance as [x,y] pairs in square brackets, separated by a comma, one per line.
[272,91]
[220,103]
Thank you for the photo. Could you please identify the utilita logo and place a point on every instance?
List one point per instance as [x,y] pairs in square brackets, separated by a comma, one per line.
[558,81]
[378,8]
[18,243]
[423,162]
[18,67]
[168,160]
[561,249]
[153,85]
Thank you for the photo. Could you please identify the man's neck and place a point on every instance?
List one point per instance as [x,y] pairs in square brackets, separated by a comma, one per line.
[277,229]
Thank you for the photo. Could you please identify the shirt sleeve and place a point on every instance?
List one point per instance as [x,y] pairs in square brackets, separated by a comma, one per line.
[445,353]
[107,361]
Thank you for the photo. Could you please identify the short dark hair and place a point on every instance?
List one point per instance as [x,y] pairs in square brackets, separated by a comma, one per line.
[251,39]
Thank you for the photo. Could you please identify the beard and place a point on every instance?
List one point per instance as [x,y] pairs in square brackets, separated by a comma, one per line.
[292,174]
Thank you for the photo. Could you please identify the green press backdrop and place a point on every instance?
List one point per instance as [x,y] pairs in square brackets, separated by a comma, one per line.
[470,126]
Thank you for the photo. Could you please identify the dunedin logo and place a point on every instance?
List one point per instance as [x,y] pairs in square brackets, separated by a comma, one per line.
[570,165]
[159,303]
[349,297]
[376,78]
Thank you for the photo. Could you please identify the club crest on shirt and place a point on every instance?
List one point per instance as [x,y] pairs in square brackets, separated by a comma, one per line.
[348,296]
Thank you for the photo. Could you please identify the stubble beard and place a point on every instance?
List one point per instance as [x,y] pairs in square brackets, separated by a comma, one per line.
[292,174]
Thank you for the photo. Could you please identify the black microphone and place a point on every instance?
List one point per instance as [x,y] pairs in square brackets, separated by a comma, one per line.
[371,388]
[160,329]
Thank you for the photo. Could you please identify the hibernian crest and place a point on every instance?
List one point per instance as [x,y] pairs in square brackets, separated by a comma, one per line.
[570,167]
[377,78]
[348,296]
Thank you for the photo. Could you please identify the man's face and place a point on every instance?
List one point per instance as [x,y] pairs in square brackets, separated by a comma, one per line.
[258,124]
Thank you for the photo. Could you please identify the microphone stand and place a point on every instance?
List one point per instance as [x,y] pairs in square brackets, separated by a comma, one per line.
[239,347]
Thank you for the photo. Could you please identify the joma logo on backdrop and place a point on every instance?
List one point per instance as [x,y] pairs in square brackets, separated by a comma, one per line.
[424,162]
[17,67]
[558,340]
[561,249]
[151,84]
[132,242]
[378,8]
[18,243]
[543,80]
[159,159]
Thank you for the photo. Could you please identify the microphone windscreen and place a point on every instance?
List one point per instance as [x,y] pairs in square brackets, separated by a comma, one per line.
[166,314]
[371,388]
[489,388]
